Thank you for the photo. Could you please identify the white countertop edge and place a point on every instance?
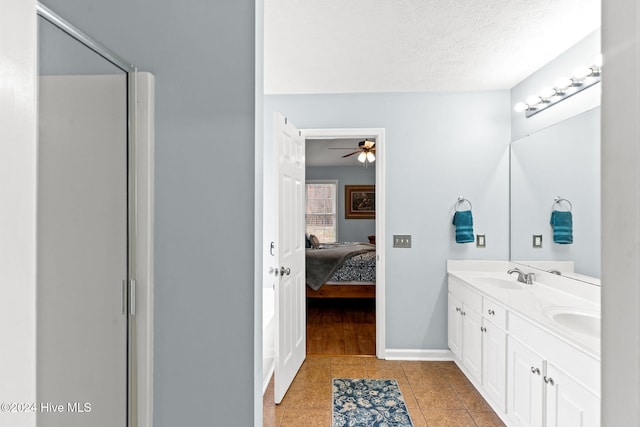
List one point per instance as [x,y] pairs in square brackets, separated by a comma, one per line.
[526,303]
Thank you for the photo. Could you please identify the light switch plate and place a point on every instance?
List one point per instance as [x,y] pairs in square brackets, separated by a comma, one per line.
[481,241]
[537,240]
[402,240]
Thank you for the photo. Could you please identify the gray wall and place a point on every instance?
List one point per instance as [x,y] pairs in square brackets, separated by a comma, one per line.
[203,55]
[349,230]
[620,214]
[438,146]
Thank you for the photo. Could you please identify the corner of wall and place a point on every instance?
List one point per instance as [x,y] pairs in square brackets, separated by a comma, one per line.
[18,163]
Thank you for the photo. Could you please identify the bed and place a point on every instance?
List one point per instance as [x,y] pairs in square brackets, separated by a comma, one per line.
[341,270]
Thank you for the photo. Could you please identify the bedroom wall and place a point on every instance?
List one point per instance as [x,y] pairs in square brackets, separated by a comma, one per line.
[349,230]
[203,56]
[439,146]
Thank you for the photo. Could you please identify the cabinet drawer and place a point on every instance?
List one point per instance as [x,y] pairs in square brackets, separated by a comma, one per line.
[494,312]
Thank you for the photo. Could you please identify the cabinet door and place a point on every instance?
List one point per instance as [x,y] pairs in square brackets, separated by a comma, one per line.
[524,385]
[494,363]
[455,326]
[472,342]
[569,404]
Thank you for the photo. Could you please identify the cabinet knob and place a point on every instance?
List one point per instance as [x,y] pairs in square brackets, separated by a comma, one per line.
[483,329]
[535,370]
[491,312]
[548,380]
[458,309]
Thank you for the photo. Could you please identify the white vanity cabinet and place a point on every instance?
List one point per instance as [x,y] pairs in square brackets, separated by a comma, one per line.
[557,385]
[539,390]
[454,325]
[569,404]
[530,373]
[494,354]
[526,386]
[477,338]
[466,323]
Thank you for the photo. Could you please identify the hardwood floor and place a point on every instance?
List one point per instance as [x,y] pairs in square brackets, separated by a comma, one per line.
[341,326]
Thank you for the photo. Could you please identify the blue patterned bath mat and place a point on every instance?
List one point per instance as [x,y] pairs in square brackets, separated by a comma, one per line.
[365,402]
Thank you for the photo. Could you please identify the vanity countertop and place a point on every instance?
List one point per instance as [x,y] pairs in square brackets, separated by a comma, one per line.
[541,302]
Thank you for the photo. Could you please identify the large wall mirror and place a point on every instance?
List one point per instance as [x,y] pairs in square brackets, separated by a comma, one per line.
[560,161]
[83,240]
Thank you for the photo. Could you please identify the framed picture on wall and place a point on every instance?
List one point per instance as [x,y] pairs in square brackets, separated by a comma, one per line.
[360,201]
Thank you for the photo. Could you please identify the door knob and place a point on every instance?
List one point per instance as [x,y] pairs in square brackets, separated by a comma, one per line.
[285,271]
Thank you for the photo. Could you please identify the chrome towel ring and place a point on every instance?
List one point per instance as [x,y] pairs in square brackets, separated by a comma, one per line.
[558,200]
[461,200]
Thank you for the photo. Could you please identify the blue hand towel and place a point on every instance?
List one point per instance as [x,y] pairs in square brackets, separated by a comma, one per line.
[464,226]
[562,223]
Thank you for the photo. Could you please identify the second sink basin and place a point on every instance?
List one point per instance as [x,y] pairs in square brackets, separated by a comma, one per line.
[582,321]
[499,283]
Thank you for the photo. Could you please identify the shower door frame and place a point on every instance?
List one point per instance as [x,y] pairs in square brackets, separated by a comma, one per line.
[139,224]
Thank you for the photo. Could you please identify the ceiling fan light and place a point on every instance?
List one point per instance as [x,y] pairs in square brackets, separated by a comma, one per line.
[370,157]
[362,157]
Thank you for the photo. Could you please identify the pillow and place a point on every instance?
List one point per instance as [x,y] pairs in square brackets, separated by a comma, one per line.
[315,243]
[307,242]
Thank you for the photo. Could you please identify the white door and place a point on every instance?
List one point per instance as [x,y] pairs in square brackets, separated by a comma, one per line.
[569,404]
[290,314]
[455,326]
[524,388]
[494,362]
[82,251]
[472,342]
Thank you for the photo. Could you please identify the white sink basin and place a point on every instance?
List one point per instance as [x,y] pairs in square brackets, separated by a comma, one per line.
[499,283]
[584,322]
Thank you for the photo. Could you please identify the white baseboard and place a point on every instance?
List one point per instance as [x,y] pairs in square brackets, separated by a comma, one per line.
[409,354]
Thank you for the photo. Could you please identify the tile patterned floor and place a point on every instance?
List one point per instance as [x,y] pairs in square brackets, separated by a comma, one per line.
[437,394]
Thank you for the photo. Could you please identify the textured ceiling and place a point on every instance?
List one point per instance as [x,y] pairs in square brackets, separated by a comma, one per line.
[333,46]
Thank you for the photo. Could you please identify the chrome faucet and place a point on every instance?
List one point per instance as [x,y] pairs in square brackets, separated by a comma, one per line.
[523,277]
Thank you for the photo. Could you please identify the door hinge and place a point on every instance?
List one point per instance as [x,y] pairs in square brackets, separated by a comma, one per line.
[132,297]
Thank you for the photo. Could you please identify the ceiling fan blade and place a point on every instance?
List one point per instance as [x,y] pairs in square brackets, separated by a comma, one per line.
[351,154]
[340,148]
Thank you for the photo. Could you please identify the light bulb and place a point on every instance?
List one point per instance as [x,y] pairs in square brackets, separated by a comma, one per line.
[534,100]
[564,83]
[598,61]
[362,157]
[370,157]
[520,107]
[581,73]
[548,92]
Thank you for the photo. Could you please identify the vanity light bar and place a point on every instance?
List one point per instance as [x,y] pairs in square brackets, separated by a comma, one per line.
[583,78]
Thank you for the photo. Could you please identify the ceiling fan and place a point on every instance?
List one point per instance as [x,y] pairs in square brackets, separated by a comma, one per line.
[366,149]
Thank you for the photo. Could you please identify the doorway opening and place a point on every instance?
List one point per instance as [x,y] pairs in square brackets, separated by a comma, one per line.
[345,316]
